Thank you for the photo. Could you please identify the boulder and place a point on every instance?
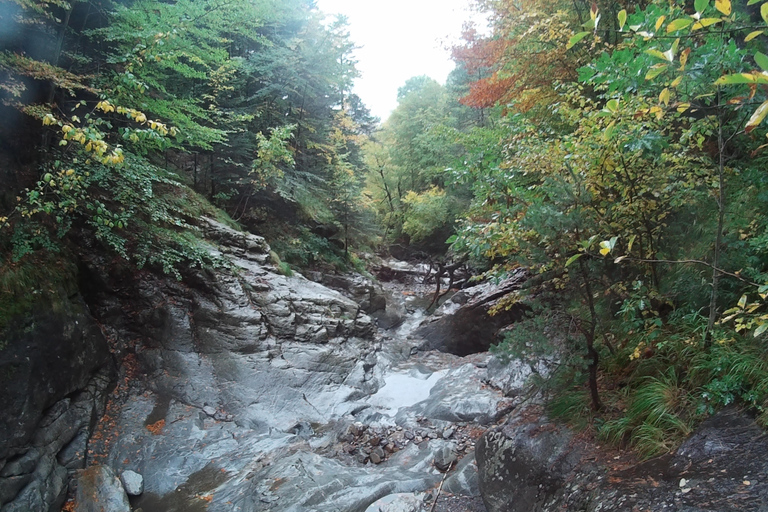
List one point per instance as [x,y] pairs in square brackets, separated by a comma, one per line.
[99,490]
[523,464]
[132,482]
[462,324]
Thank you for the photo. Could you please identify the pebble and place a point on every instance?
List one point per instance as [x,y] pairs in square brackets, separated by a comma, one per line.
[448,433]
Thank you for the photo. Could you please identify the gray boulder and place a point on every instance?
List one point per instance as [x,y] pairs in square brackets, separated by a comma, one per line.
[522,465]
[99,490]
[132,482]
[462,324]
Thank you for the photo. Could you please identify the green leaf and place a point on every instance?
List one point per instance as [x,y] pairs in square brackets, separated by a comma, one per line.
[762,60]
[742,302]
[761,329]
[622,18]
[573,258]
[700,5]
[612,105]
[655,71]
[575,39]
[679,24]
[753,2]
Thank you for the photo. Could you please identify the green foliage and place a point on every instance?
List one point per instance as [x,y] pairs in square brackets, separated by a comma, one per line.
[635,197]
[36,281]
[657,417]
[425,213]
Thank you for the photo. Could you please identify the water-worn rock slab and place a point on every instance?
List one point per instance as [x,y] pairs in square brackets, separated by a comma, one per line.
[401,502]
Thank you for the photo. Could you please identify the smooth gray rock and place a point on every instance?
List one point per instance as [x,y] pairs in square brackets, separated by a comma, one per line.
[445,457]
[401,502]
[99,490]
[463,480]
[459,396]
[132,482]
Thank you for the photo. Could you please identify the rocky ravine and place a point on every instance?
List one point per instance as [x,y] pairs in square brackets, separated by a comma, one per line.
[253,391]
[243,390]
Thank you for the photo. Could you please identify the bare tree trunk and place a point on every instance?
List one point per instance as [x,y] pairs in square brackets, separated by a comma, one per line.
[720,221]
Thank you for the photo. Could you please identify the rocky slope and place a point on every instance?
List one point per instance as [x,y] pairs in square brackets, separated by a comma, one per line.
[246,390]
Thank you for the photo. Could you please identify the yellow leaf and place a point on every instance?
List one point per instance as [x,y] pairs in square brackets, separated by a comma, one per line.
[664,96]
[682,107]
[660,22]
[705,22]
[724,6]
[676,82]
[757,117]
[752,35]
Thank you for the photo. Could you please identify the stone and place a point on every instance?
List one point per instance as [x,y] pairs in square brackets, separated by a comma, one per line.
[445,457]
[463,480]
[401,502]
[448,433]
[375,458]
[132,482]
[210,411]
[463,326]
[99,490]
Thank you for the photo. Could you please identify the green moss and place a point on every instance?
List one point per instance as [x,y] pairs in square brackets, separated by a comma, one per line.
[38,280]
[190,203]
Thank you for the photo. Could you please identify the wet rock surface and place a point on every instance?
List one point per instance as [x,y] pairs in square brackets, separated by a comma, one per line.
[255,391]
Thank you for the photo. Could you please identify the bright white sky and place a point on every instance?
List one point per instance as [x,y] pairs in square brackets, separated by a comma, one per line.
[399,39]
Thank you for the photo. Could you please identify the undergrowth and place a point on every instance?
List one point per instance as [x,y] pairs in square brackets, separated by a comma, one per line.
[654,389]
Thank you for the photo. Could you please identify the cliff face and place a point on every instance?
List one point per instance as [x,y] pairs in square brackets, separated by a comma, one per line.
[245,343]
[55,370]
